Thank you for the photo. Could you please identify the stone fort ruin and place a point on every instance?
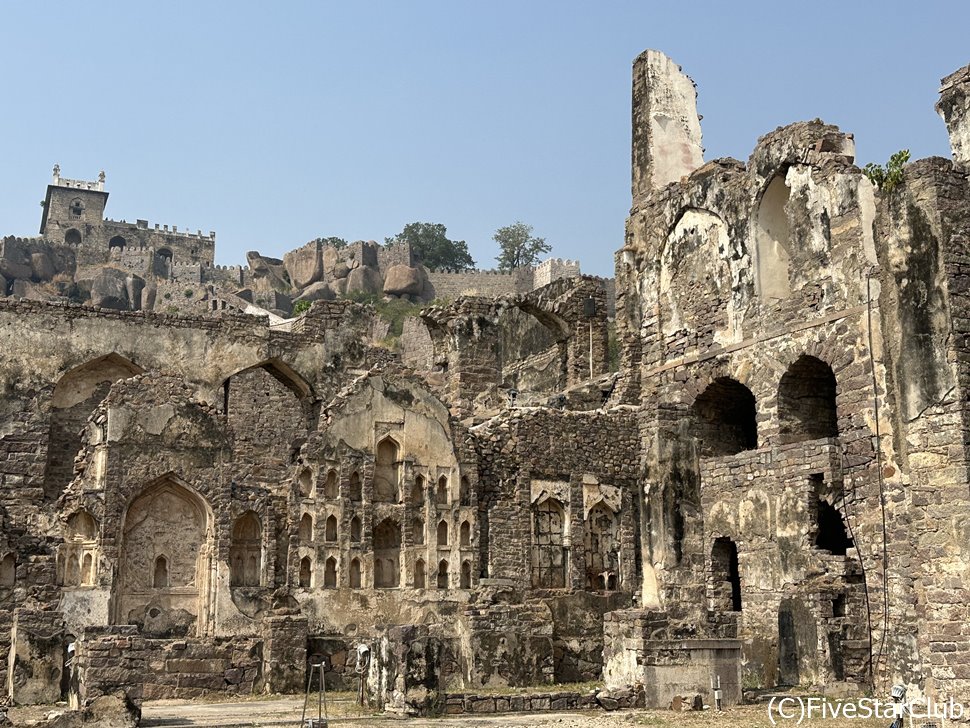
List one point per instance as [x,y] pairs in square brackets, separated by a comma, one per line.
[771,490]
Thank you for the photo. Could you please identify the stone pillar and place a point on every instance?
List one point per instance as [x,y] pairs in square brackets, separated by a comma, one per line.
[954,107]
[405,671]
[284,653]
[666,128]
[36,657]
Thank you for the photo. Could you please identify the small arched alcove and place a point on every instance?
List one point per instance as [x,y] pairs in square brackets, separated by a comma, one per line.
[306,529]
[725,582]
[441,493]
[246,551]
[724,417]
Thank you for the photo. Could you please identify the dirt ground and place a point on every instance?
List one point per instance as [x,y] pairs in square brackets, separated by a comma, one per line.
[281,711]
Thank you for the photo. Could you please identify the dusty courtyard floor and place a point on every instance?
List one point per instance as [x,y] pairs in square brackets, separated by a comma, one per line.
[286,712]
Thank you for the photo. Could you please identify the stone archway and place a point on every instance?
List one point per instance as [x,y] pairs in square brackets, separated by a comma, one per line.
[167,528]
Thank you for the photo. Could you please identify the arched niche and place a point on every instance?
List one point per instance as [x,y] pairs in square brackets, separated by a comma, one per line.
[549,550]
[77,556]
[245,551]
[420,575]
[725,418]
[387,471]
[806,401]
[387,554]
[171,521]
[695,286]
[725,581]
[602,549]
[77,393]
[330,573]
[306,529]
[772,240]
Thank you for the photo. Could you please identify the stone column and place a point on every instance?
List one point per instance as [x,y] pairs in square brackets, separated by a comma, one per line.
[36,657]
[954,107]
[666,128]
[284,653]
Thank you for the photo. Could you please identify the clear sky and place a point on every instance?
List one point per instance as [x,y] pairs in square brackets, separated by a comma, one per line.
[273,123]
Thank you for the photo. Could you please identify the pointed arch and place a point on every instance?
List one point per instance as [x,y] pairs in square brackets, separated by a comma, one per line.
[77,393]
[465,534]
[442,579]
[306,529]
[441,493]
[330,573]
[420,575]
[466,575]
[306,572]
[442,533]
[354,486]
[331,488]
[772,238]
[166,511]
[387,471]
[330,531]
[355,574]
[417,489]
[355,528]
[246,550]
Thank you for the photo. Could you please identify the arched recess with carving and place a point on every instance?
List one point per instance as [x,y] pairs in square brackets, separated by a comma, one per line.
[168,520]
[77,393]
[77,556]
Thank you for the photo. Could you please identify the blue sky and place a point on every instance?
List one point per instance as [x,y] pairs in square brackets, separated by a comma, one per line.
[275,123]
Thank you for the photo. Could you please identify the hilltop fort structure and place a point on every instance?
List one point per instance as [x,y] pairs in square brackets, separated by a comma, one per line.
[770,489]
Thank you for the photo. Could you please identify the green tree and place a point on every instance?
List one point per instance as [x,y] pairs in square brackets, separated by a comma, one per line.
[518,246]
[429,241]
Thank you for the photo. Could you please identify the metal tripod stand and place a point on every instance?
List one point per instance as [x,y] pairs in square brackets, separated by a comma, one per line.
[317,666]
